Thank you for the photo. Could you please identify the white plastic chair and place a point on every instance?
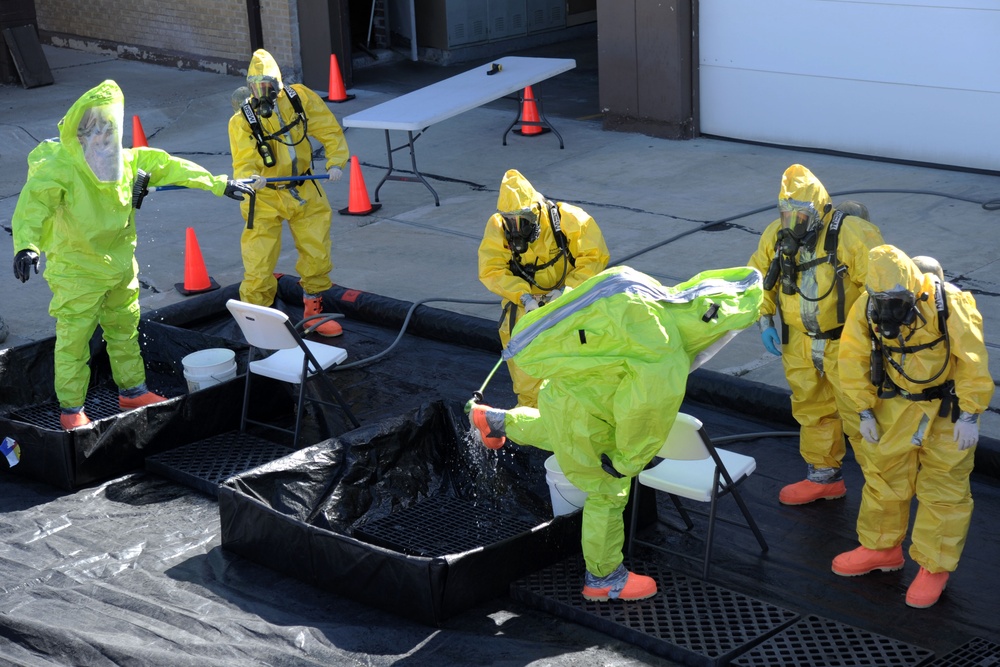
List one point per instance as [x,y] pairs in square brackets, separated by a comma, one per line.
[693,468]
[295,360]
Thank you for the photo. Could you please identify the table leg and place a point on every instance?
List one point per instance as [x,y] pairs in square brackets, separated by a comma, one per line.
[417,176]
[542,121]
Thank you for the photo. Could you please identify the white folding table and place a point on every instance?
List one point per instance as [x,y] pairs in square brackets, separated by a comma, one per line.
[414,112]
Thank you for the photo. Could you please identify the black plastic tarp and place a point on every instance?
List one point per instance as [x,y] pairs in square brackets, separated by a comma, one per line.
[336,515]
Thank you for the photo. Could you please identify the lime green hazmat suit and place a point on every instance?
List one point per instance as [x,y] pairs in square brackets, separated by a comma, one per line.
[809,359]
[584,241]
[86,228]
[615,354]
[916,453]
[305,206]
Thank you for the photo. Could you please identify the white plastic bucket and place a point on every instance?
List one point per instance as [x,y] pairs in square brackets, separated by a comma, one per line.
[209,367]
[566,498]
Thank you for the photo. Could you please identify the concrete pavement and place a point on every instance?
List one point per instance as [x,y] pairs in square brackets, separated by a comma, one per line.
[653,198]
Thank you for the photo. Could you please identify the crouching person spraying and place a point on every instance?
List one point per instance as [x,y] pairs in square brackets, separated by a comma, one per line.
[614,354]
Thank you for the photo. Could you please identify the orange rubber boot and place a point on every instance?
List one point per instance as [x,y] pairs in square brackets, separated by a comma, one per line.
[863,560]
[489,438]
[926,588]
[72,420]
[637,587]
[126,403]
[804,492]
[314,306]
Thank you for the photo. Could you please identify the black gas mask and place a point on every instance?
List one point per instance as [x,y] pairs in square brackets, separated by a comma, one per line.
[263,94]
[520,228]
[889,313]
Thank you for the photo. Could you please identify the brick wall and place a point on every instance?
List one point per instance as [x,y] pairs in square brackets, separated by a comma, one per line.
[212,35]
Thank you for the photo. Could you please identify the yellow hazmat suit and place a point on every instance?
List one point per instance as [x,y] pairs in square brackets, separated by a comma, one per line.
[541,269]
[84,222]
[615,353]
[812,304]
[303,204]
[916,452]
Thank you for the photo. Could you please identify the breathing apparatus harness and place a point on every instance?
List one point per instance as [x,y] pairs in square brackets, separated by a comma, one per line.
[881,354]
[250,109]
[527,272]
[785,268]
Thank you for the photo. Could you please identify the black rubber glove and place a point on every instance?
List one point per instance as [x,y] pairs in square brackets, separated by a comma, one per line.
[609,467]
[23,261]
[236,190]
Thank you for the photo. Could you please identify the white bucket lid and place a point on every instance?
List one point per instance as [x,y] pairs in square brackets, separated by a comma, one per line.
[210,358]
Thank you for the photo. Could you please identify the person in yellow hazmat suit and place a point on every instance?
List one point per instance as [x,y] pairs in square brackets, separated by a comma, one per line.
[531,251]
[78,208]
[269,137]
[913,365]
[814,260]
[615,353]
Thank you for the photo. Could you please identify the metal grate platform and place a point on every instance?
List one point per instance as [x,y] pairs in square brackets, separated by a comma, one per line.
[820,642]
[205,464]
[101,403]
[688,620]
[975,653]
[439,526]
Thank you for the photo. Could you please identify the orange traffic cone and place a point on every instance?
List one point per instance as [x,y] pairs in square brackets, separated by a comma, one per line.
[337,92]
[531,123]
[196,278]
[138,136]
[359,204]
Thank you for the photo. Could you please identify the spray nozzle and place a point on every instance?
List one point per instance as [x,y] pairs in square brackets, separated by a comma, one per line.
[477,397]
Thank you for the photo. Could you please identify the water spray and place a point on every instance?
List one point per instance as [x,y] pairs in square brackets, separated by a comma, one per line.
[477,396]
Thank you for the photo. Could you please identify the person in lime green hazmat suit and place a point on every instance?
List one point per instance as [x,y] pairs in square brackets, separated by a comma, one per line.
[614,354]
[77,208]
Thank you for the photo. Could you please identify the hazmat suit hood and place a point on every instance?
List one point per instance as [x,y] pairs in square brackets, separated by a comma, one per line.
[516,193]
[801,189]
[90,133]
[522,211]
[263,64]
[891,272]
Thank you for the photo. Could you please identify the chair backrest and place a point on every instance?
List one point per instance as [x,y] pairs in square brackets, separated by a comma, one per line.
[684,443]
[263,327]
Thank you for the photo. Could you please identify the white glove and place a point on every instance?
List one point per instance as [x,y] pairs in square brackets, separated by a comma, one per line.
[966,431]
[549,297]
[528,302]
[869,427]
[334,174]
[256,182]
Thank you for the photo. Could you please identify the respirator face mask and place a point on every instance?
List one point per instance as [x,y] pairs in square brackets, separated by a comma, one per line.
[798,217]
[520,228]
[890,312]
[263,94]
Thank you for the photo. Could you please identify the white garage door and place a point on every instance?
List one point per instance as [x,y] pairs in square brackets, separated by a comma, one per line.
[913,80]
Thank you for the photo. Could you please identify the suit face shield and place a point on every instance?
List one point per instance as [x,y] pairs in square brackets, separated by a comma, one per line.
[890,311]
[520,228]
[99,134]
[263,94]
[798,217]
